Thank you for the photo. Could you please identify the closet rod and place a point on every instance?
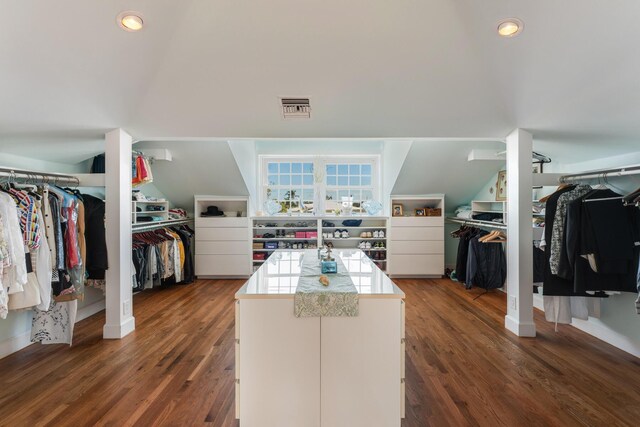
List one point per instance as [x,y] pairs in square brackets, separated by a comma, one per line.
[478,223]
[36,176]
[604,173]
[138,228]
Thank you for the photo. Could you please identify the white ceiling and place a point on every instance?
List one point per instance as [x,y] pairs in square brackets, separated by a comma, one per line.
[373,68]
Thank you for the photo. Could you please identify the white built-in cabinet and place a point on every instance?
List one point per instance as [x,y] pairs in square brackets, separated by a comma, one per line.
[416,243]
[222,246]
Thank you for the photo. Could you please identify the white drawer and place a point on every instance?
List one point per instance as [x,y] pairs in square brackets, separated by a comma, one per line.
[413,247]
[222,265]
[416,233]
[215,234]
[216,222]
[417,221]
[222,248]
[416,265]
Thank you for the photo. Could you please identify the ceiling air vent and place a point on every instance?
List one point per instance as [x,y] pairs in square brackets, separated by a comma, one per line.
[295,108]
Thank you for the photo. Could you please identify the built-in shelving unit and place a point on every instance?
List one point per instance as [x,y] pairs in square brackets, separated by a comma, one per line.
[222,242]
[291,233]
[158,209]
[416,242]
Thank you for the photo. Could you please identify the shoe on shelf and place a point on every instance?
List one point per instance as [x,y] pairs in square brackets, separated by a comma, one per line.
[370,235]
[361,245]
[337,234]
[381,234]
[345,234]
[363,234]
[368,245]
[375,234]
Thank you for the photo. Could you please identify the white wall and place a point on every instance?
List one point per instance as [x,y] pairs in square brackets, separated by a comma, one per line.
[198,167]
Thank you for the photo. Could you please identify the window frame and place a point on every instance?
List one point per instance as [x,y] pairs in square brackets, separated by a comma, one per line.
[320,163]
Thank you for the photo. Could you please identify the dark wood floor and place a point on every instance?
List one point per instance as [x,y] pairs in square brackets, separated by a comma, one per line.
[463,368]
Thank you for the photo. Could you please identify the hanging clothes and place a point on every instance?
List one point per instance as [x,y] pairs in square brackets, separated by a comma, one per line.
[486,264]
[162,257]
[140,170]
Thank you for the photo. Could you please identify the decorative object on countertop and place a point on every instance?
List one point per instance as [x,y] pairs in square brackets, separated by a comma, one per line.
[272,207]
[324,280]
[420,212]
[372,207]
[397,210]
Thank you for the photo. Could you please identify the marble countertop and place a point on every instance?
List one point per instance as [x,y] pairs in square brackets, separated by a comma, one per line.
[278,276]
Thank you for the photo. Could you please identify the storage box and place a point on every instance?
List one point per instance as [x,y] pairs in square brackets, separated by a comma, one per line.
[301,234]
[271,245]
[433,212]
[259,256]
[311,234]
[258,245]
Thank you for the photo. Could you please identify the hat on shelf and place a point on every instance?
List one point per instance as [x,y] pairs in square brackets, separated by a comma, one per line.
[212,211]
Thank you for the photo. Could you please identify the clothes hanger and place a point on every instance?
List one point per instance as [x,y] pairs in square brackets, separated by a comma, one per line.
[562,186]
[495,237]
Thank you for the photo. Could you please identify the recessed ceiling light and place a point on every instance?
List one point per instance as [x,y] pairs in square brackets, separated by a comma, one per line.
[510,27]
[130,21]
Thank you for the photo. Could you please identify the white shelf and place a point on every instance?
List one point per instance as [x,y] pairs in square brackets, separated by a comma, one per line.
[355,238]
[373,227]
[285,228]
[270,239]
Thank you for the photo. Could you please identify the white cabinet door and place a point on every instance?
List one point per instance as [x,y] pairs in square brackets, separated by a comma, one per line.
[361,356]
[280,360]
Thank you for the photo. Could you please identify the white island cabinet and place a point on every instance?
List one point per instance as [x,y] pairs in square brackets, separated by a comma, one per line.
[319,371]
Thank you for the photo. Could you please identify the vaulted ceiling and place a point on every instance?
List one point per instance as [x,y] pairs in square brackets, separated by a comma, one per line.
[372,68]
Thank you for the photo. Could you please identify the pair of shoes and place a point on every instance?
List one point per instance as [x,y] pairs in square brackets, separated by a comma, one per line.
[364,245]
[341,234]
[366,235]
[378,245]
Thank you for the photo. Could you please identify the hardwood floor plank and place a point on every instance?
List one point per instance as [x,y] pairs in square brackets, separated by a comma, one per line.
[463,368]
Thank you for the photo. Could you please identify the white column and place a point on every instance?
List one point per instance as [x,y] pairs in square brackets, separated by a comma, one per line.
[519,318]
[119,313]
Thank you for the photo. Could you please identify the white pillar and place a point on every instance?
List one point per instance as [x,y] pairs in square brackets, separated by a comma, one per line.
[519,318]
[119,313]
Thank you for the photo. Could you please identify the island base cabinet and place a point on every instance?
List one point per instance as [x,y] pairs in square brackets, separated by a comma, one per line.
[329,371]
[361,366]
[279,356]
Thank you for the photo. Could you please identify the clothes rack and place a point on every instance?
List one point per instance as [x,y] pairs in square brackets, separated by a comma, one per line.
[478,223]
[602,173]
[35,177]
[138,228]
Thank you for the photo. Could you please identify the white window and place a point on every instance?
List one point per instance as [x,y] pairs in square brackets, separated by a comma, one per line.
[290,183]
[293,181]
[350,180]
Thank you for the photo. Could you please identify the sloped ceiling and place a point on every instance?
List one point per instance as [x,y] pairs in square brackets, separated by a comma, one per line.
[373,68]
[442,167]
[197,168]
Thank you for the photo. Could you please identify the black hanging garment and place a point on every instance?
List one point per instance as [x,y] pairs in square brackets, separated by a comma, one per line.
[95,237]
[607,252]
[486,264]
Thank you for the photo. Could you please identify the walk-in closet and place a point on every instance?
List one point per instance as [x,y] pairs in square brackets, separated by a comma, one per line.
[319,214]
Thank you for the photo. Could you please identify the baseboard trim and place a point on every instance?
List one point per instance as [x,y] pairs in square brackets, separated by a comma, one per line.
[518,328]
[15,343]
[18,342]
[607,335]
[110,332]
[90,310]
